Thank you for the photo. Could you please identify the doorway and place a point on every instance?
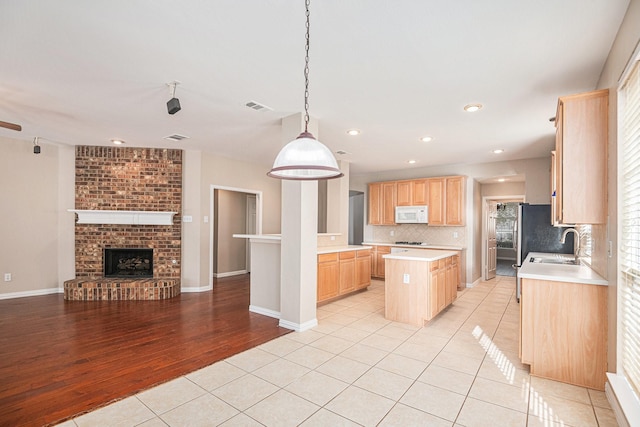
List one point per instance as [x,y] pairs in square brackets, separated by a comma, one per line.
[499,250]
[232,211]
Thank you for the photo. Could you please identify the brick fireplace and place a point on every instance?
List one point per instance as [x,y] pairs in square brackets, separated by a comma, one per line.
[127,179]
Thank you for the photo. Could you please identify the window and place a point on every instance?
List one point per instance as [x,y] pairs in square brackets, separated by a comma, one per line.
[629,224]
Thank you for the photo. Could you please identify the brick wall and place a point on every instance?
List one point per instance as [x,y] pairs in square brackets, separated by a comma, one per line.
[135,179]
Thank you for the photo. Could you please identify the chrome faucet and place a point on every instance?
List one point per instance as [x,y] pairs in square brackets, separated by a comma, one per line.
[576,241]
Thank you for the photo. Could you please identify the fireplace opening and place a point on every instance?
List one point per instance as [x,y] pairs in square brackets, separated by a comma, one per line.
[126,262]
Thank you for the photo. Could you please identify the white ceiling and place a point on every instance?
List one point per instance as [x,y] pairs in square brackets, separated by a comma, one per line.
[83,72]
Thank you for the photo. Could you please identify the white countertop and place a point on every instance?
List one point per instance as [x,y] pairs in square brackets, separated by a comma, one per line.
[332,249]
[423,246]
[426,255]
[559,272]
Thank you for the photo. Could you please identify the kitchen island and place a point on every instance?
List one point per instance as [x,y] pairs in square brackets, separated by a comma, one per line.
[419,284]
[563,320]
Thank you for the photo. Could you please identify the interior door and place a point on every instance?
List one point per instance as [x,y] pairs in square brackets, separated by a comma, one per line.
[492,245]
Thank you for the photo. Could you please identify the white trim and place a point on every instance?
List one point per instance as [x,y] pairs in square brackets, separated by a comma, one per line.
[264,311]
[35,293]
[298,327]
[193,289]
[230,273]
[213,187]
[623,400]
[123,217]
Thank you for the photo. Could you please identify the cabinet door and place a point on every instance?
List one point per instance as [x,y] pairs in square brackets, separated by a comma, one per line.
[451,286]
[328,279]
[375,203]
[581,157]
[432,305]
[388,203]
[374,261]
[555,220]
[363,269]
[442,289]
[420,192]
[347,275]
[436,201]
[455,201]
[380,267]
[404,193]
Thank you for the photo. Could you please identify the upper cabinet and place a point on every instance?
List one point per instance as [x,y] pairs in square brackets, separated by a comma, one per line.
[382,203]
[444,196]
[579,165]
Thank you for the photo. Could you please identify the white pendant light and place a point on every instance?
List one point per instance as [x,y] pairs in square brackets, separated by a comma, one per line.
[305,158]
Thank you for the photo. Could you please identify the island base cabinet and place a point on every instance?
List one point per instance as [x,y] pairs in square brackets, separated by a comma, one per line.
[563,332]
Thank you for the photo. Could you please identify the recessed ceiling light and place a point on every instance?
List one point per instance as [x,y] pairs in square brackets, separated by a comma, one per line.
[472,108]
[411,162]
[426,139]
[353,132]
[117,141]
[498,151]
[501,180]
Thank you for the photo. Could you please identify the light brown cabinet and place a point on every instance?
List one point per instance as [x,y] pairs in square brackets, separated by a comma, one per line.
[347,272]
[443,195]
[340,273]
[580,170]
[328,276]
[363,268]
[436,201]
[431,288]
[563,331]
[382,203]
[454,200]
[377,262]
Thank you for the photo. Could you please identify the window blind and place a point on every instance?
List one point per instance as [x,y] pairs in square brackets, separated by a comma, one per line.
[629,220]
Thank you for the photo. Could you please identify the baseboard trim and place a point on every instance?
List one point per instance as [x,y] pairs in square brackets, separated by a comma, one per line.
[36,293]
[194,289]
[264,311]
[229,274]
[298,327]
[623,401]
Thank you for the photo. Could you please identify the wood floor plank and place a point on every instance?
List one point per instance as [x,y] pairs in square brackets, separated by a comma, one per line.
[62,358]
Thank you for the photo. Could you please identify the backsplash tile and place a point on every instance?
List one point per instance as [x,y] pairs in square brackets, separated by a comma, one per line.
[419,233]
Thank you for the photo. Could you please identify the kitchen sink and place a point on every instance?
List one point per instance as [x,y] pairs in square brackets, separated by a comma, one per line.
[555,260]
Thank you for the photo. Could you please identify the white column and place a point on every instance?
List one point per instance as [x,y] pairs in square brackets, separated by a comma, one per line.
[298,264]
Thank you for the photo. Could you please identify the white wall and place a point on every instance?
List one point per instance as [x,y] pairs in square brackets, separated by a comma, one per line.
[34,216]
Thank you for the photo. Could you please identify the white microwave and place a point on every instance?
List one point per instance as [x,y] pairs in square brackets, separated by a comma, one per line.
[412,214]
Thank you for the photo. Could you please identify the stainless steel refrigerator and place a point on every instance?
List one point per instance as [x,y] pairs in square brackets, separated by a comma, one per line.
[534,233]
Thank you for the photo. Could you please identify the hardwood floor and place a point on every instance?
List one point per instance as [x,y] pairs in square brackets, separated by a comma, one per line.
[61,358]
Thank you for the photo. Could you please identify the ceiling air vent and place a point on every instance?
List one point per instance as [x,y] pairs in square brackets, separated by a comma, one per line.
[176,137]
[342,152]
[257,106]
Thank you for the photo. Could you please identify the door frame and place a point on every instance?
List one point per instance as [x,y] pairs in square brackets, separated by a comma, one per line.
[212,188]
[486,199]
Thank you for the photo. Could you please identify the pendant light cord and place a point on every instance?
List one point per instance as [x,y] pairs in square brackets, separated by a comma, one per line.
[306,73]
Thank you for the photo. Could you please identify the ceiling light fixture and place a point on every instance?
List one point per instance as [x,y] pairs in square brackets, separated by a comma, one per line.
[353,132]
[305,158]
[498,151]
[426,139]
[501,180]
[472,108]
[411,162]
[117,141]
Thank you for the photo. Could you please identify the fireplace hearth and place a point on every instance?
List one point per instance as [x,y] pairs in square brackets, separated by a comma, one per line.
[128,262]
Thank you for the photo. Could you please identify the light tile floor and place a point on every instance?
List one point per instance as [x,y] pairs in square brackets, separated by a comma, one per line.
[357,368]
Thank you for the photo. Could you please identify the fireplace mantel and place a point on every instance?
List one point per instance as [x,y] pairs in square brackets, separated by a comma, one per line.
[123,217]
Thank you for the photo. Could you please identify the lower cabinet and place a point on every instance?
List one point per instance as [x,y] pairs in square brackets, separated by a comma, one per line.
[340,273]
[563,331]
[377,262]
[432,286]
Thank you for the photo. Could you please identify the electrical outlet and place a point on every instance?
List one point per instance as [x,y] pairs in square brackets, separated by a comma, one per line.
[405,278]
[455,234]
[391,233]
[7,277]
[333,237]
[206,219]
